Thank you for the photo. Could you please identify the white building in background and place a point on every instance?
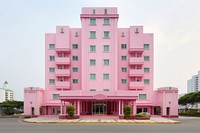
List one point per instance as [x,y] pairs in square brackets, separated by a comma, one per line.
[6,93]
[193,84]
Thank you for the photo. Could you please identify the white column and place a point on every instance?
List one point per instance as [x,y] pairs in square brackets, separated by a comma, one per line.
[119,107]
[78,108]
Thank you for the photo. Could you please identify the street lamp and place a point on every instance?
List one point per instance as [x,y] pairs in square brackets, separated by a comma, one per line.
[169,108]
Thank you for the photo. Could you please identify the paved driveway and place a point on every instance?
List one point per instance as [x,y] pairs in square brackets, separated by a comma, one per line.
[189,125]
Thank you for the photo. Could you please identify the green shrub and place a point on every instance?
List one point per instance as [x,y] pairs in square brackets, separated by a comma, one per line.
[190,114]
[70,110]
[141,115]
[127,111]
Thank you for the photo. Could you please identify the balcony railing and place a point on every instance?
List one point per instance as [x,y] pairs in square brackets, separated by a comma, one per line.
[136,72]
[132,50]
[65,50]
[63,60]
[136,85]
[136,60]
[63,85]
[62,72]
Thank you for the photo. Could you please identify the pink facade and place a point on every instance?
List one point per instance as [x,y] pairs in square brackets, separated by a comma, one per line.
[99,68]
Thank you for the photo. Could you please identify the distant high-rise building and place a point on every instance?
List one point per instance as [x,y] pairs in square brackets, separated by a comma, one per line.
[193,84]
[6,94]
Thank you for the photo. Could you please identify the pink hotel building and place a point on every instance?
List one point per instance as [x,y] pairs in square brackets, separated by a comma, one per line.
[99,68]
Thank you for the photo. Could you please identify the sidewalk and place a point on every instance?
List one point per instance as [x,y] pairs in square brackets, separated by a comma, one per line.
[100,121]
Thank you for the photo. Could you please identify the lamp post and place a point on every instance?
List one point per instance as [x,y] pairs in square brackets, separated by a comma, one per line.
[169,108]
[31,108]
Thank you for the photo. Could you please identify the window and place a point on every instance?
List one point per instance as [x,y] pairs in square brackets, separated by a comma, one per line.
[93,11]
[146,81]
[51,58]
[75,81]
[51,46]
[106,48]
[106,34]
[146,58]
[92,62]
[142,96]
[75,69]
[123,46]
[51,81]
[123,81]
[92,48]
[92,89]
[75,46]
[93,21]
[124,69]
[56,96]
[106,76]
[123,57]
[146,70]
[105,11]
[75,58]
[106,21]
[146,46]
[92,34]
[92,76]
[106,62]
[51,69]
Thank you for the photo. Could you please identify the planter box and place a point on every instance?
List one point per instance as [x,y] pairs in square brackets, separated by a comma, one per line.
[142,118]
[64,116]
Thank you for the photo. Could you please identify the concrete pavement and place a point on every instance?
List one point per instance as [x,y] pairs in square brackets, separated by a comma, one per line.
[100,121]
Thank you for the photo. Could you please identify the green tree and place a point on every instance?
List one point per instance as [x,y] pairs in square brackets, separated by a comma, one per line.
[12,107]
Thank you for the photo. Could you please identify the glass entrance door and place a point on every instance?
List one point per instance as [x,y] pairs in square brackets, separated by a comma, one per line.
[99,108]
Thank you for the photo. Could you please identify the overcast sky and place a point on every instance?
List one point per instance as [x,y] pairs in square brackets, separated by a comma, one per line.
[23,24]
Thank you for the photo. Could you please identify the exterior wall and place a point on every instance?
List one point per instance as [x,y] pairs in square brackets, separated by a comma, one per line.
[99,84]
[118,92]
[33,97]
[169,96]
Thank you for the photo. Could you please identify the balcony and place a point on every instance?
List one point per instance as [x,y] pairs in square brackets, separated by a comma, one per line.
[132,50]
[62,60]
[136,60]
[65,50]
[62,85]
[62,72]
[136,72]
[136,85]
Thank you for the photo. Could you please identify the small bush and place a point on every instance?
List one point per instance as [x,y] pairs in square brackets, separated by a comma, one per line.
[141,115]
[70,110]
[127,111]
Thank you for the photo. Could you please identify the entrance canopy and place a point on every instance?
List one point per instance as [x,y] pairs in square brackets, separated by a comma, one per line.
[98,97]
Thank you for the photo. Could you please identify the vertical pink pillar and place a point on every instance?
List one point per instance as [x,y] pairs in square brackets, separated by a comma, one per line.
[119,107]
[78,108]
[61,109]
[134,107]
[122,107]
[65,107]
